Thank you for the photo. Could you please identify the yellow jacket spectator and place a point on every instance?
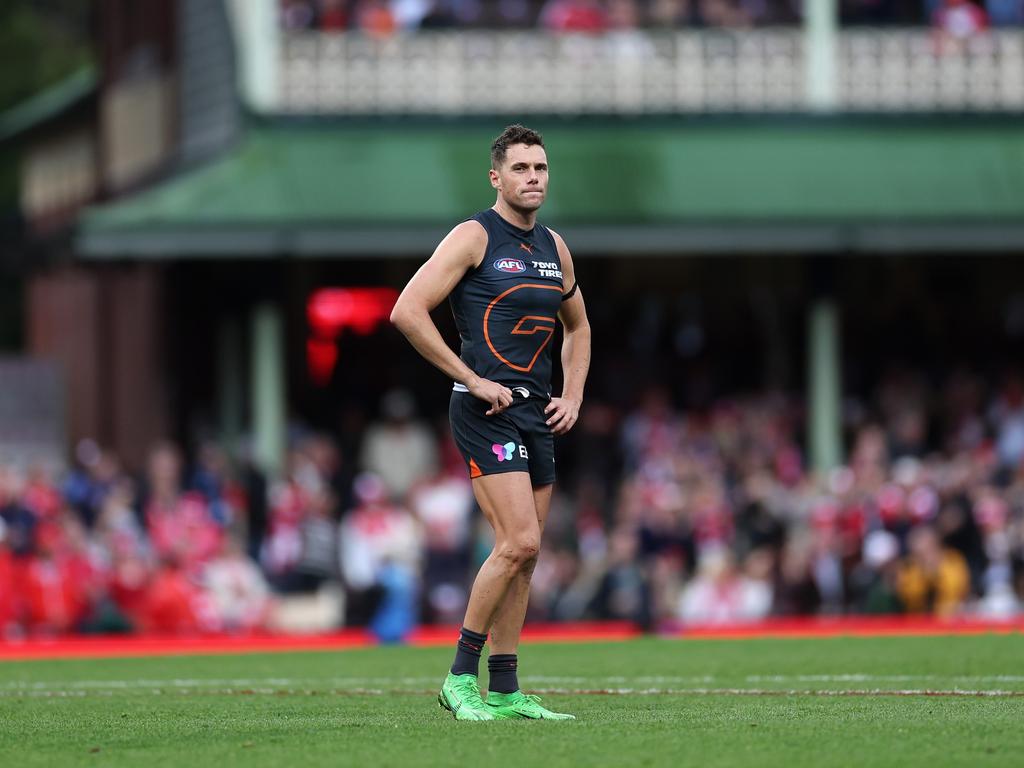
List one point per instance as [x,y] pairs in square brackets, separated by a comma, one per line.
[932,578]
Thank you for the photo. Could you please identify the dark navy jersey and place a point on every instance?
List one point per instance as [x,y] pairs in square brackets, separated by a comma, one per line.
[506,308]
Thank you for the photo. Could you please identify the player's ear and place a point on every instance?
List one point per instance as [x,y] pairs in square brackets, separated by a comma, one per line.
[495,179]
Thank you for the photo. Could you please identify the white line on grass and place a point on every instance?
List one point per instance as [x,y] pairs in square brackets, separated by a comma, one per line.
[535,680]
[860,678]
[257,691]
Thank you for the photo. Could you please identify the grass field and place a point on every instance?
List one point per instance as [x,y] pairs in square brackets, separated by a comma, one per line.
[841,701]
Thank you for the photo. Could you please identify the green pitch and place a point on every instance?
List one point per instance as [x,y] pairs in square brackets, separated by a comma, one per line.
[647,702]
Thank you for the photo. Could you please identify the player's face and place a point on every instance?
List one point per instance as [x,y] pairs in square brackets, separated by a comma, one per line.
[522,180]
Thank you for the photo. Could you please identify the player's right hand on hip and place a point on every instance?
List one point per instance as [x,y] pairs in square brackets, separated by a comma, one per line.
[493,393]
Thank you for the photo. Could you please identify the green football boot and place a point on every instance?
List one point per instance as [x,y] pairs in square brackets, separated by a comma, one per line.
[519,704]
[460,695]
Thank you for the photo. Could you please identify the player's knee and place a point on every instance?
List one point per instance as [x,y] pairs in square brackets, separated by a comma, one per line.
[529,548]
[521,551]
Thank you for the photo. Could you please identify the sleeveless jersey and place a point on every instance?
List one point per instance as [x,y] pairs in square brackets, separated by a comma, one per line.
[506,309]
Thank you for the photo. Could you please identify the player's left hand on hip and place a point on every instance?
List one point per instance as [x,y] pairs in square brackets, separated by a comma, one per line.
[562,413]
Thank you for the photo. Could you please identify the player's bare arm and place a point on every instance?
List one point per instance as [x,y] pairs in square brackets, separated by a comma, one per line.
[562,412]
[461,250]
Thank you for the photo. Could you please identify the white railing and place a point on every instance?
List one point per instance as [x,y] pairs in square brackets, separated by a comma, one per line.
[916,71]
[642,73]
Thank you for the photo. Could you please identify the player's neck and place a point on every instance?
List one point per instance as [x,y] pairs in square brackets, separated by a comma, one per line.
[515,217]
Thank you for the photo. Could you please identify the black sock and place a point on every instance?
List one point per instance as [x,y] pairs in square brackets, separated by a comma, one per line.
[502,667]
[467,653]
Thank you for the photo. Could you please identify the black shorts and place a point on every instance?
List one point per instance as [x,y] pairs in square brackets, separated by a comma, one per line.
[517,440]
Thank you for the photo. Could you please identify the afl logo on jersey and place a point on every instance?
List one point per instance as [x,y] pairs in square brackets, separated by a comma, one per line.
[512,266]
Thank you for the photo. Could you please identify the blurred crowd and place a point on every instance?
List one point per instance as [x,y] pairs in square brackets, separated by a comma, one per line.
[716,517]
[660,517]
[384,17]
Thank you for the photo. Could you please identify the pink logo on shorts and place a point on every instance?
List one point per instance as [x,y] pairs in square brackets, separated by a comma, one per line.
[503,452]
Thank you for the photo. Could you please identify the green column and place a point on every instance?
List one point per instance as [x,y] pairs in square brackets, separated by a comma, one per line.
[824,424]
[821,23]
[267,387]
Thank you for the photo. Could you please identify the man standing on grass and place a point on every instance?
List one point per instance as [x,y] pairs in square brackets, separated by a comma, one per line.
[507,279]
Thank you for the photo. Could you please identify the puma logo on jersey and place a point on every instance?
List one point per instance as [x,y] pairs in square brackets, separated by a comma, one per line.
[512,266]
[527,248]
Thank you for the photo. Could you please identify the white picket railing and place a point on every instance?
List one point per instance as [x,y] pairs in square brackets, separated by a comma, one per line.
[640,72]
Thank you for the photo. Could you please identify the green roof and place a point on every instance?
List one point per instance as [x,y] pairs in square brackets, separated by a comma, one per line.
[855,184]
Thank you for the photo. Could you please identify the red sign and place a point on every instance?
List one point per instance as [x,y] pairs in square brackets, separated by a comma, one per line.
[332,310]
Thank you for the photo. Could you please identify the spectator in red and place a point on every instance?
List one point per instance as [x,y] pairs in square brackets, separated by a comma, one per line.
[55,597]
[128,581]
[40,495]
[9,590]
[122,548]
[574,16]
[711,516]
[238,593]
[300,551]
[376,19]
[333,15]
[179,524]
[172,604]
[289,502]
[373,535]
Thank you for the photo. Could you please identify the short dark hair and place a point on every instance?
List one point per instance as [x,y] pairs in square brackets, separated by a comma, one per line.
[513,134]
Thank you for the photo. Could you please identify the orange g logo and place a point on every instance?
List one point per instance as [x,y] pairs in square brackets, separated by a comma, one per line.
[539,326]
